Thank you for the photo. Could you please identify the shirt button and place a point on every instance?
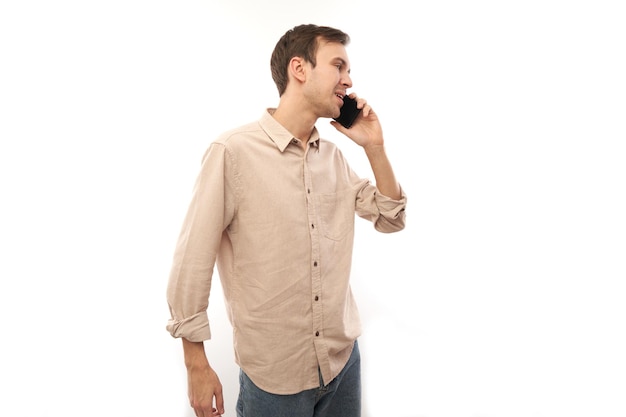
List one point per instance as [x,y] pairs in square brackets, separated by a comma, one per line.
[312,226]
[315,263]
[316,298]
[317,334]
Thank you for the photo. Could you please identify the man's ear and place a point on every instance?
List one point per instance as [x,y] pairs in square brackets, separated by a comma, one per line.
[297,68]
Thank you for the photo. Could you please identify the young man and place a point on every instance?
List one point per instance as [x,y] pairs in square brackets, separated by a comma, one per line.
[274,208]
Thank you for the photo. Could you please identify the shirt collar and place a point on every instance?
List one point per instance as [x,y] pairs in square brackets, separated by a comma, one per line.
[279,135]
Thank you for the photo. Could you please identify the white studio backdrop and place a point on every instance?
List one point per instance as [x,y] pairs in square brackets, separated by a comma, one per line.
[503,297]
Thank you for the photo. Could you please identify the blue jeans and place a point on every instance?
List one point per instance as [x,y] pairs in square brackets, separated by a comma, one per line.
[340,398]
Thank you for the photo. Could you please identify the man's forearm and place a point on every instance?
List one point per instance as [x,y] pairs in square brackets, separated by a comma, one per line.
[195,355]
[383,172]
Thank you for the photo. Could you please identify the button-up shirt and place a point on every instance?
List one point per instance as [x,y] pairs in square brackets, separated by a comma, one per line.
[277,219]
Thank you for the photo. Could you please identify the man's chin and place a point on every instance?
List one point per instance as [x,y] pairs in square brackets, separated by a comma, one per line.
[331,113]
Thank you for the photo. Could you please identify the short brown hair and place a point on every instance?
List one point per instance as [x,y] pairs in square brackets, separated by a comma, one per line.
[300,41]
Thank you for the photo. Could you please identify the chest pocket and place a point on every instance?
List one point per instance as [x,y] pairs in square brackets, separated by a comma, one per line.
[336,215]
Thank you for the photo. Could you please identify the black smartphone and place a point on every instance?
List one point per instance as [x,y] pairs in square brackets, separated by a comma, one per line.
[349,112]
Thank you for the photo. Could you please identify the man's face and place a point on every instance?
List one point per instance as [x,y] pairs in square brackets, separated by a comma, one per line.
[329,80]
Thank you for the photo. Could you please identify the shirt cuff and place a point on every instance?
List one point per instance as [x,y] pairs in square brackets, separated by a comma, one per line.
[195,328]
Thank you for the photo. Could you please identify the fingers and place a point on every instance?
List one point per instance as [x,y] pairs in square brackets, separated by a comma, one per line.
[219,402]
[361,103]
[206,408]
[208,412]
[338,126]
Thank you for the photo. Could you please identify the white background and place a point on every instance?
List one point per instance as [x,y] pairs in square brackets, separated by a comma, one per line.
[505,121]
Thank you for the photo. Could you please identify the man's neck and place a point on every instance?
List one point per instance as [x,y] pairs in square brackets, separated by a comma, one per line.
[292,116]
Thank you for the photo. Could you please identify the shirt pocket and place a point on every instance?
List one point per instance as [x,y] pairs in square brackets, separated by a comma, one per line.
[336,215]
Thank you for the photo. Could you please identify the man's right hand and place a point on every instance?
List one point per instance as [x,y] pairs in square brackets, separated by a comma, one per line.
[203,385]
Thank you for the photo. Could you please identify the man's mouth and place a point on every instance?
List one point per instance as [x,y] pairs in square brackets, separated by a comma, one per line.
[340,96]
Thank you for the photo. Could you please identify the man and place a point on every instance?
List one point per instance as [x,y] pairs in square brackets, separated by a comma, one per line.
[274,208]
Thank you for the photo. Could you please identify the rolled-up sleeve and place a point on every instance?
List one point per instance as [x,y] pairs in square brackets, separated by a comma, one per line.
[189,284]
[387,214]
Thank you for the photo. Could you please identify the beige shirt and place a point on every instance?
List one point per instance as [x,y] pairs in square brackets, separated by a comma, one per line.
[278,220]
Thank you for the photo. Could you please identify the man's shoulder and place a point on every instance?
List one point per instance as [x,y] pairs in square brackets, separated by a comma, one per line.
[244,131]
